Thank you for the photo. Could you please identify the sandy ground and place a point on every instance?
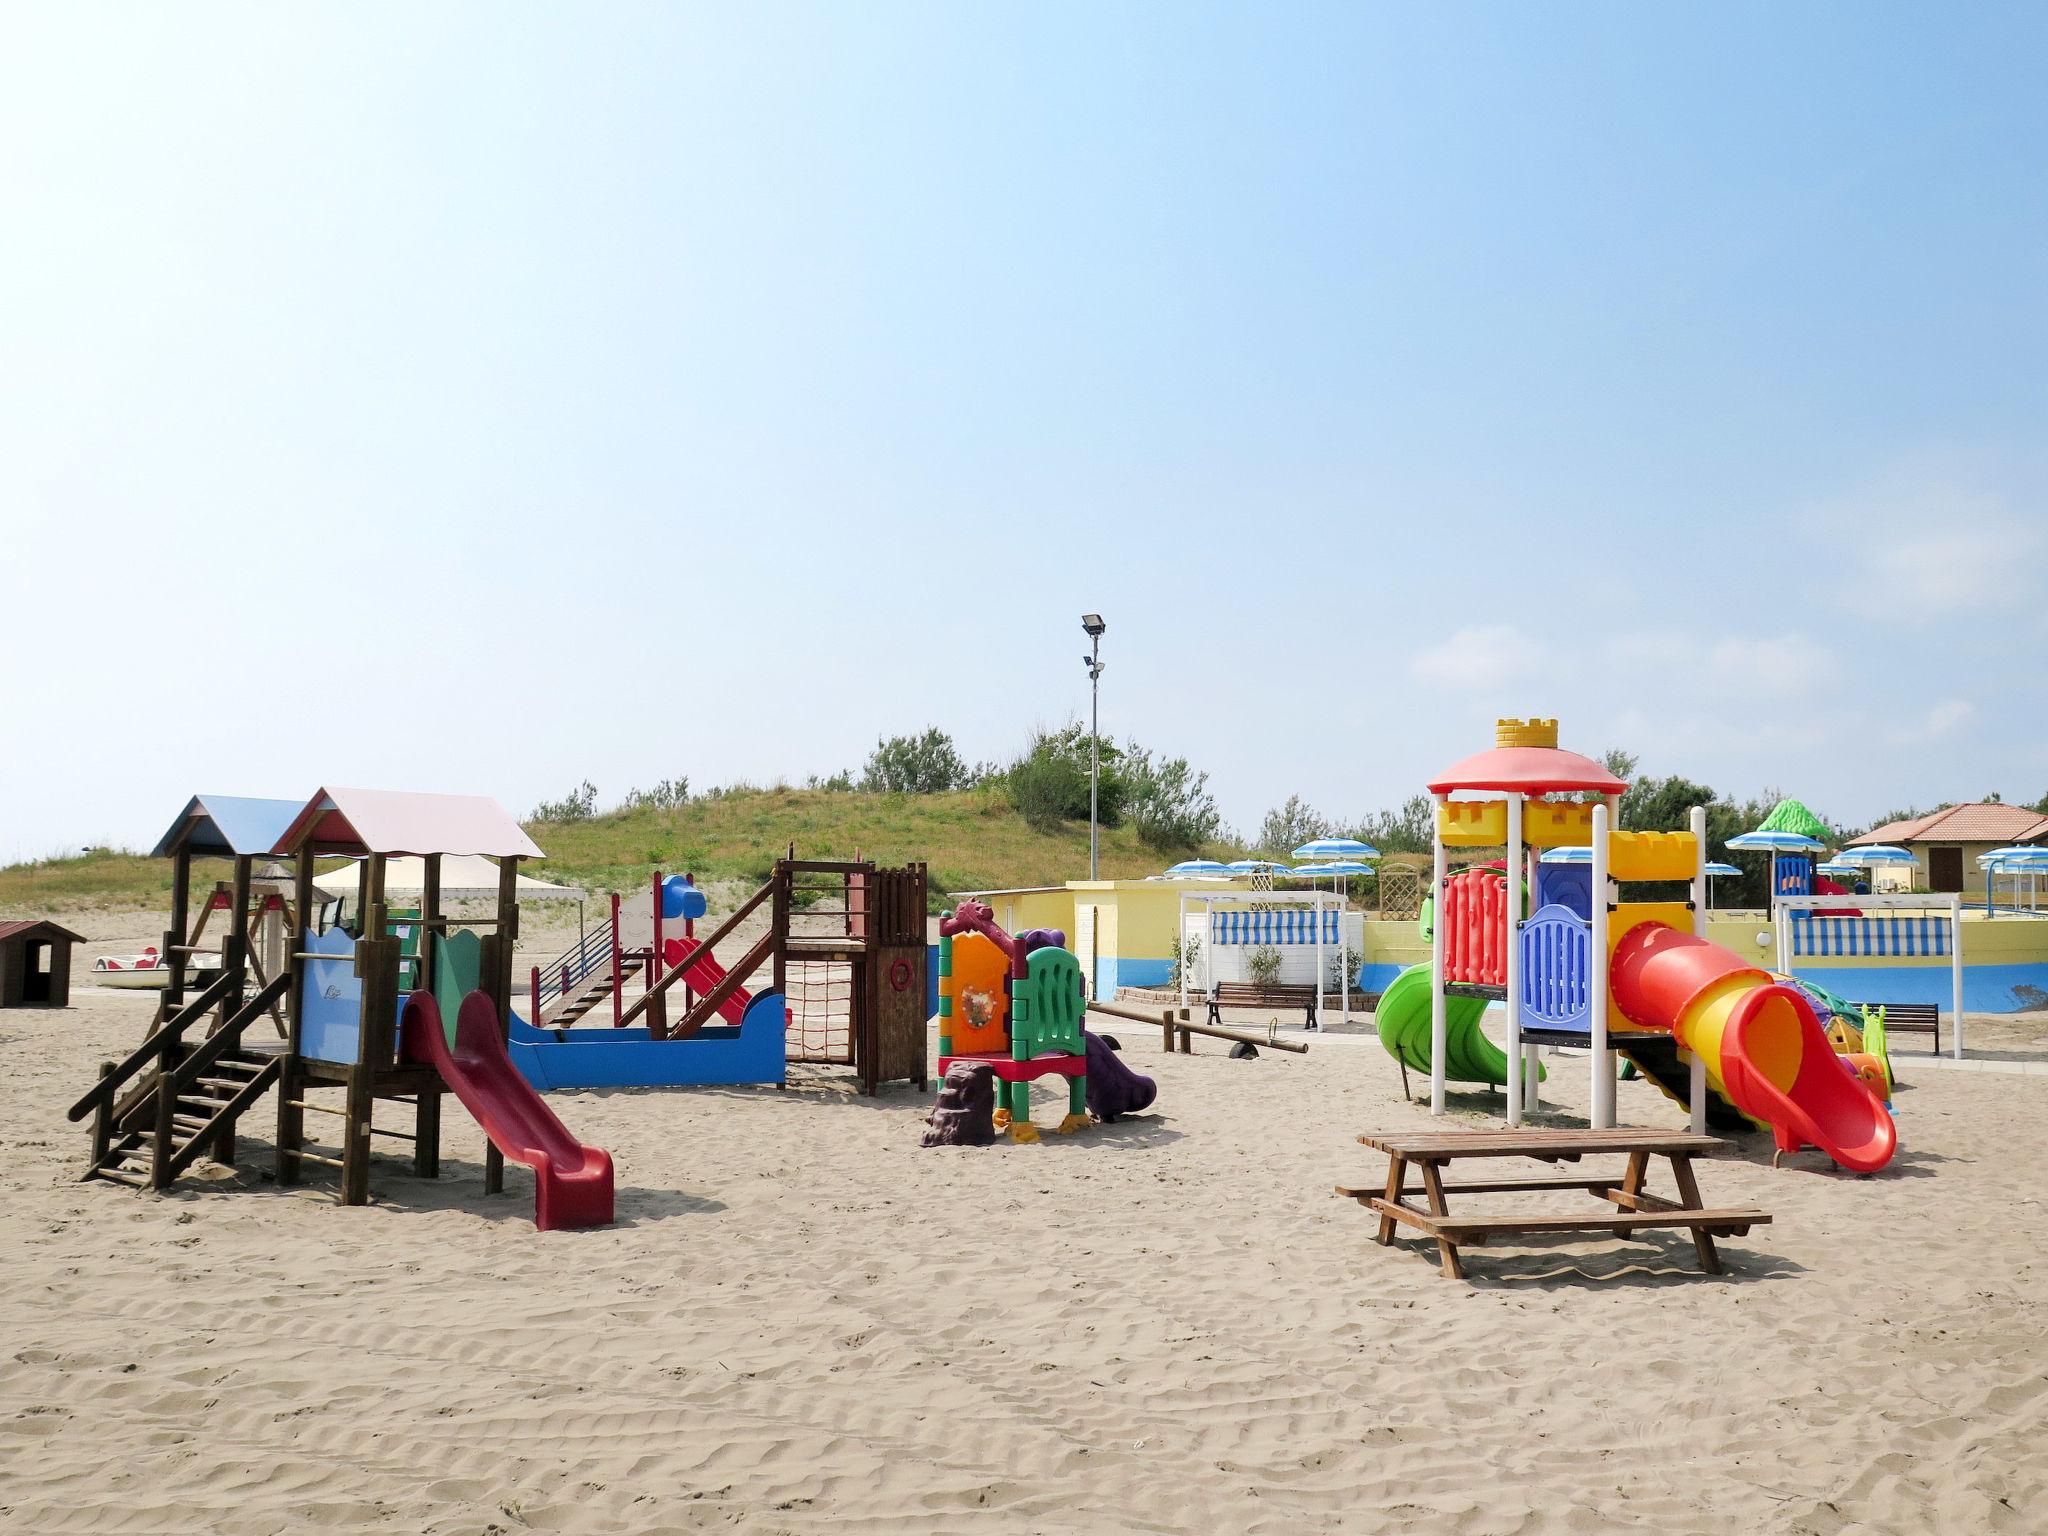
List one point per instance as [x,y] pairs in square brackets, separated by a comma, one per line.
[804,1322]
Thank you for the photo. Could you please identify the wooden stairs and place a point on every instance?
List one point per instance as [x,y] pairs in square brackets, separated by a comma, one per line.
[172,1099]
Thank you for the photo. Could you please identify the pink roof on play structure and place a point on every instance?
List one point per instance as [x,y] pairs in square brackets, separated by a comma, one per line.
[1531,770]
[360,821]
[1526,759]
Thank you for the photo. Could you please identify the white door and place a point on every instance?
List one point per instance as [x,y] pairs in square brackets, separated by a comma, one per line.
[1084,943]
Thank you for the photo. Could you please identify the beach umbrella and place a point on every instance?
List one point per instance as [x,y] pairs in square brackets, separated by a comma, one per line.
[2018,857]
[1253,866]
[1713,869]
[1876,853]
[1838,866]
[1336,848]
[1791,816]
[1774,840]
[1568,856]
[1198,867]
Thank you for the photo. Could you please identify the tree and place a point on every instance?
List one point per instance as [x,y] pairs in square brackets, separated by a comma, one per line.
[1170,804]
[1289,825]
[914,765]
[1411,829]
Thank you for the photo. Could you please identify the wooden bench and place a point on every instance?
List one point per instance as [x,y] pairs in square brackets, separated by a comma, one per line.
[1635,1209]
[1252,994]
[1910,1019]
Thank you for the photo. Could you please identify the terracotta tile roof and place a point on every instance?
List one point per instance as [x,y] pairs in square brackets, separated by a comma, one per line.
[1984,821]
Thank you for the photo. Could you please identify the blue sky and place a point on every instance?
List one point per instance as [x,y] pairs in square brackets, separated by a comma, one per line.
[438,397]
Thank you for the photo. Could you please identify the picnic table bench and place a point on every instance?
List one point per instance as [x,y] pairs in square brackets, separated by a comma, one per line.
[1634,1207]
[1252,994]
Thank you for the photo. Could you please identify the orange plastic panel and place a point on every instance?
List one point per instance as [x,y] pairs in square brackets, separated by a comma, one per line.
[981,997]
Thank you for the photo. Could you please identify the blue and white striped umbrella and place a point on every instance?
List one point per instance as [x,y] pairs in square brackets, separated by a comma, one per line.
[2021,858]
[1334,867]
[1568,856]
[1876,853]
[1839,867]
[1336,848]
[1199,867]
[1718,868]
[1775,842]
[1253,866]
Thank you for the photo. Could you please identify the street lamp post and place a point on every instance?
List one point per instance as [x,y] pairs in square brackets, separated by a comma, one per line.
[1092,626]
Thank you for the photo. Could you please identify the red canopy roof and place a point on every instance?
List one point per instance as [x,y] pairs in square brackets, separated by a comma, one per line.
[1528,771]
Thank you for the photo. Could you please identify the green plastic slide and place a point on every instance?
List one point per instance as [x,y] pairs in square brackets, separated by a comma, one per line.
[1403,1019]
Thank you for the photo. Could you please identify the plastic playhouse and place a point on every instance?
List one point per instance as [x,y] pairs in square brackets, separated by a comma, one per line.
[1015,1005]
[1588,967]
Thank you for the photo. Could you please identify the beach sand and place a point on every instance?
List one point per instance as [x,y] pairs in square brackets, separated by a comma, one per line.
[805,1322]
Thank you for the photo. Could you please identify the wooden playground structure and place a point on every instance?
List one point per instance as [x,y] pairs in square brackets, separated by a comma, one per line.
[843,942]
[316,1014]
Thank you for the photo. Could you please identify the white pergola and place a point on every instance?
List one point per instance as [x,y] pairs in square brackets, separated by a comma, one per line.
[1208,901]
[1950,906]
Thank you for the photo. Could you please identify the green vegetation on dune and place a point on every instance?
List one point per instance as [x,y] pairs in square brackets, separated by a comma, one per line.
[99,877]
[971,839]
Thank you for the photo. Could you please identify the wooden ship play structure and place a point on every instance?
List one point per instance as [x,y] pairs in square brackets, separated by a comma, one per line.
[414,1003]
[843,950]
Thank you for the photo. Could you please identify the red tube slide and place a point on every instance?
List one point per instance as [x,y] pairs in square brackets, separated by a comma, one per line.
[1759,1039]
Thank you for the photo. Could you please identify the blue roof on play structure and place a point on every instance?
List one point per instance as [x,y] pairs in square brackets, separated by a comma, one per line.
[228,824]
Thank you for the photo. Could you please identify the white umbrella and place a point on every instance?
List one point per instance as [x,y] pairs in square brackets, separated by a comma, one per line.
[1336,848]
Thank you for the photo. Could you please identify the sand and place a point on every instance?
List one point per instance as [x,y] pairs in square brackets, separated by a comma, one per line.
[804,1322]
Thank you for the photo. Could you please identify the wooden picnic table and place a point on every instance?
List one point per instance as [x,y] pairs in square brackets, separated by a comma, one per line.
[1635,1207]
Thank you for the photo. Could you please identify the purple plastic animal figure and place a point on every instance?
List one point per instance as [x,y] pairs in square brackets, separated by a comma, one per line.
[1113,1088]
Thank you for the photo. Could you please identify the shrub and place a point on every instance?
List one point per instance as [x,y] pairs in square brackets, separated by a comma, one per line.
[915,765]
[1170,803]
[668,795]
[1262,965]
[1288,826]
[1049,783]
[580,804]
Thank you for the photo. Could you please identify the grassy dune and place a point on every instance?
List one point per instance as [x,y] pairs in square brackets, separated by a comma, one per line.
[971,840]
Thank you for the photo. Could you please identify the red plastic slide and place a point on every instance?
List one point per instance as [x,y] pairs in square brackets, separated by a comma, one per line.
[705,973]
[572,1182]
[1758,1038]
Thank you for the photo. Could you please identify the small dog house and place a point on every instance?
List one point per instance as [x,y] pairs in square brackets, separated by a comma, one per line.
[35,964]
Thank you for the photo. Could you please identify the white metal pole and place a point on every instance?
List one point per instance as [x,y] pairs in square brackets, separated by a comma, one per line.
[1532,1092]
[1596,978]
[1318,920]
[1344,941]
[1516,1065]
[1437,1027]
[1697,1086]
[1180,939]
[1955,966]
